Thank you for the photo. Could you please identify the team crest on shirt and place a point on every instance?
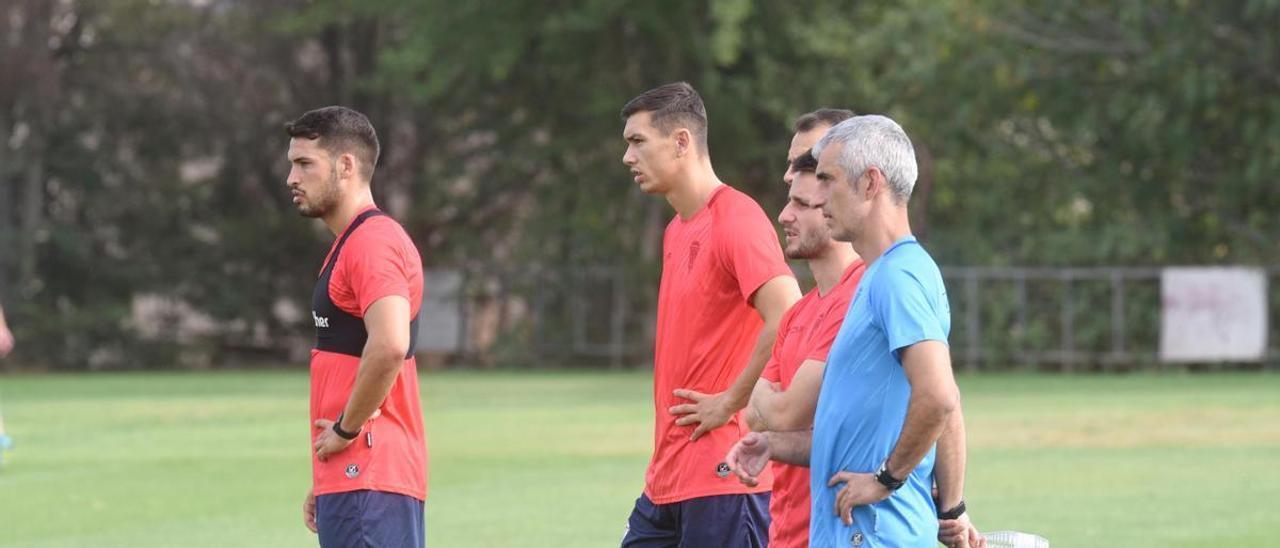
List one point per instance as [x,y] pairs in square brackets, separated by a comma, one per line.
[352,471]
[693,253]
[857,539]
[722,469]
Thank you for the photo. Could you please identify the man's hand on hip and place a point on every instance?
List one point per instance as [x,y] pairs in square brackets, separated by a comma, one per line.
[859,489]
[708,411]
[328,442]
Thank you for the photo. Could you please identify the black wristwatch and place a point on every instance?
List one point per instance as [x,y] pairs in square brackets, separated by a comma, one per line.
[953,513]
[890,482]
[337,429]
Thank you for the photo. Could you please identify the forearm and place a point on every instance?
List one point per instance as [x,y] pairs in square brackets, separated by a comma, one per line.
[779,411]
[377,374]
[949,468]
[756,419]
[791,447]
[740,392]
[928,413]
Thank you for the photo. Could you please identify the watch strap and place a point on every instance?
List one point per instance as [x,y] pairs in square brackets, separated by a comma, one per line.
[887,480]
[337,429]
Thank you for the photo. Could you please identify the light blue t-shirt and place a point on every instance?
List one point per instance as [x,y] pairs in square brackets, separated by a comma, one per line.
[900,301]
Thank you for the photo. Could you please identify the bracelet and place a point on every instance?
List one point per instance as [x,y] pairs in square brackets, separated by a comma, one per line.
[953,513]
[337,429]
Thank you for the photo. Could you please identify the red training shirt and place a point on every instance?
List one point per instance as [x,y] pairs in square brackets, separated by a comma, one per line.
[712,265]
[805,333]
[378,260]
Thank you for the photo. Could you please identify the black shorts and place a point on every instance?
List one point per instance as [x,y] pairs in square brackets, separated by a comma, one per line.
[729,521]
[360,519]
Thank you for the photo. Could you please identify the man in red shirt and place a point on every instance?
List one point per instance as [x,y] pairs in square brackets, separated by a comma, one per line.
[721,260]
[370,458]
[785,396]
[6,336]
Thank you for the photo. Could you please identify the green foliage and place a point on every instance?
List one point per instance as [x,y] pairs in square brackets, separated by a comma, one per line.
[1076,133]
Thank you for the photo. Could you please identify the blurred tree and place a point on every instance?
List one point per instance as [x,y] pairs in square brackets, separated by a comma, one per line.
[141,155]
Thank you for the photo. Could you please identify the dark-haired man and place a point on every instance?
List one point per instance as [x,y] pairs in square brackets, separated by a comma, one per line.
[370,456]
[720,261]
[785,395]
[808,129]
[888,404]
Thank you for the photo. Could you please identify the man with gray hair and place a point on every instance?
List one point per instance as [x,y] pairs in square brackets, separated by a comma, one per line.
[888,393]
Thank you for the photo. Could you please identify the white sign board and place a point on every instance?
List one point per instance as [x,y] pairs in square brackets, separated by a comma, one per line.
[1213,314]
[440,321]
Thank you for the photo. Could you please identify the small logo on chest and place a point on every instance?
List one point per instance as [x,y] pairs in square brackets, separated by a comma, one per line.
[693,253]
[320,321]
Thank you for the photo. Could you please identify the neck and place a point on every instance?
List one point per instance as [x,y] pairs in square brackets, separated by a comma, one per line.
[888,225]
[347,209]
[829,268]
[693,190]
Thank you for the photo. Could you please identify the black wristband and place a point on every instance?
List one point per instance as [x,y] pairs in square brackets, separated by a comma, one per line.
[337,429]
[890,482]
[953,513]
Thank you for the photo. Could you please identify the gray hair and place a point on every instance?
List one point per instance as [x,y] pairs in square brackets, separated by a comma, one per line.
[874,141]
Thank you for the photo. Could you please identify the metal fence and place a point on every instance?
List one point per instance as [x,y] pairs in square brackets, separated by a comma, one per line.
[1060,319]
[1064,318]
[548,316]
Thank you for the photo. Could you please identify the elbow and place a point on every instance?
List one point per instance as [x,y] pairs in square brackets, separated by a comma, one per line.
[794,417]
[387,354]
[940,404]
[948,402]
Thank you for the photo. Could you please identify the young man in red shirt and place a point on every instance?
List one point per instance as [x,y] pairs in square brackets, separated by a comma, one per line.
[724,288]
[369,461]
[6,336]
[785,396]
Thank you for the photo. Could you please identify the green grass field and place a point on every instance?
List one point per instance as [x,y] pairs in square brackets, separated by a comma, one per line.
[556,459]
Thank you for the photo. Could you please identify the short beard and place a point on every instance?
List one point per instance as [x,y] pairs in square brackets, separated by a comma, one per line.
[806,250]
[326,200]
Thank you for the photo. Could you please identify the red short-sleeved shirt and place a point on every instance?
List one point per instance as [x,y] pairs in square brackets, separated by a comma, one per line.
[805,333]
[712,265]
[378,260]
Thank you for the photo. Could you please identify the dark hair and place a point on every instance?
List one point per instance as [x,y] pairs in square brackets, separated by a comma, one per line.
[673,106]
[825,116]
[339,130]
[805,162]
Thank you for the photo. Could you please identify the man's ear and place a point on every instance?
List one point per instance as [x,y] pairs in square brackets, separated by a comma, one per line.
[876,183]
[347,167]
[684,142]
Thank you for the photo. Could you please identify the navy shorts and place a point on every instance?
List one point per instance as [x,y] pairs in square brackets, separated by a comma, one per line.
[729,521]
[373,519]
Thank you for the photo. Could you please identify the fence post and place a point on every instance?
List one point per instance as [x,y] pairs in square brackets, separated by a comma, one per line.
[617,325]
[464,316]
[973,317]
[578,278]
[539,309]
[1068,325]
[1117,320]
[1024,354]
